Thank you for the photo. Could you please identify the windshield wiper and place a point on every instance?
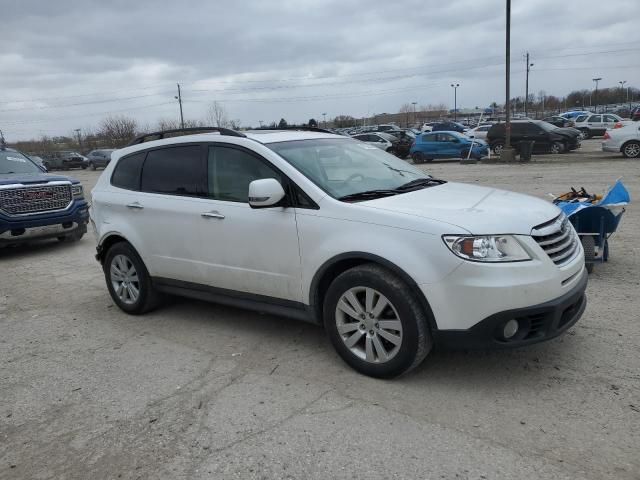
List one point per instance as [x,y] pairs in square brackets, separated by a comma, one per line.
[420,182]
[368,194]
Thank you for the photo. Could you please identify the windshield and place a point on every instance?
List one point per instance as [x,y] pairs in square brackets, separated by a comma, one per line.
[14,162]
[343,167]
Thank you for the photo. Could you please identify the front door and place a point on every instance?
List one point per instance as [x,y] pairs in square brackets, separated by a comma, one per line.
[245,249]
[595,124]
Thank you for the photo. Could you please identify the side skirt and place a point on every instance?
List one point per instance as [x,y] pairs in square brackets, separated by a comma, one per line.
[248,301]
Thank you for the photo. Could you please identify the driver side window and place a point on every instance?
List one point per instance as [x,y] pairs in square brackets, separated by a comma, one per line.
[231,170]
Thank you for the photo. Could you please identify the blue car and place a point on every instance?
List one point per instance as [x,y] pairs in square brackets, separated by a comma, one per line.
[431,145]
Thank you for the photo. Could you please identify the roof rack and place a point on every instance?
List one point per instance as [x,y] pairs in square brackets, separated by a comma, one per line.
[148,137]
[302,129]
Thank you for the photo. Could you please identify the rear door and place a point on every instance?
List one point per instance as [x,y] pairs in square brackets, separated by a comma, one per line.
[596,127]
[167,211]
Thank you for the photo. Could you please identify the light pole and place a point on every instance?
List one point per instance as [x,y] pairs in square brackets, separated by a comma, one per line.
[506,155]
[526,90]
[455,101]
[77,130]
[325,119]
[260,122]
[414,111]
[595,95]
[622,82]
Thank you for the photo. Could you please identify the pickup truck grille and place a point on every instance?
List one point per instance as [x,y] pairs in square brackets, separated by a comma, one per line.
[34,199]
[557,238]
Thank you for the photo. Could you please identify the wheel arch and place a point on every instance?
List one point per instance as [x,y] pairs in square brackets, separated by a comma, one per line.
[108,241]
[343,262]
[631,140]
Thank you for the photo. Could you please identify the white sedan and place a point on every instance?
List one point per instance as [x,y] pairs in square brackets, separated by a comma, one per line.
[625,140]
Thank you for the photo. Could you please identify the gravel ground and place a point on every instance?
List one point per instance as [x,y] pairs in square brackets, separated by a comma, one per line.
[196,390]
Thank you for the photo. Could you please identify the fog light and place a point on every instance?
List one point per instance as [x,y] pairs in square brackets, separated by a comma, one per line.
[510,329]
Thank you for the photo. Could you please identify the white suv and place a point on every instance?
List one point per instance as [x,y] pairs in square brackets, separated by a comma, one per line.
[330,230]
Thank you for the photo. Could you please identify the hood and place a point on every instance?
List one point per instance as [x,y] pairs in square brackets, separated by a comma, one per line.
[26,178]
[478,210]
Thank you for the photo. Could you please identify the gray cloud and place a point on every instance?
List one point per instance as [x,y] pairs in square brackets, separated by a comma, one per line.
[66,64]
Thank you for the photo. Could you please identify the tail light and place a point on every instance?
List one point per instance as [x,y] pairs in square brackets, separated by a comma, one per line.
[607,136]
[617,125]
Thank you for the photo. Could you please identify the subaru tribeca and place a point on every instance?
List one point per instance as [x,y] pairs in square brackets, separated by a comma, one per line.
[333,231]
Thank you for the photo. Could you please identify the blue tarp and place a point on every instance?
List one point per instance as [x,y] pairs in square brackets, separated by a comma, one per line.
[617,196]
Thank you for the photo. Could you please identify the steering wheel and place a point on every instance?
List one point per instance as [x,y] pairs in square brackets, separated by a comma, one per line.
[352,177]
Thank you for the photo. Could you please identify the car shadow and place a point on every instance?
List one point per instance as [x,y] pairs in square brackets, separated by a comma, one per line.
[35,248]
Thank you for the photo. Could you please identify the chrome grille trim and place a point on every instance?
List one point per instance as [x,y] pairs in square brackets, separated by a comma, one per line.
[557,238]
[26,199]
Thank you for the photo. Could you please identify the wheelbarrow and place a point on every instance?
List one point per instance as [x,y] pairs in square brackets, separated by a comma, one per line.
[595,219]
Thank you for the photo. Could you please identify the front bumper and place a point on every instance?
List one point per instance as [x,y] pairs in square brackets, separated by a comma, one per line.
[535,323]
[17,229]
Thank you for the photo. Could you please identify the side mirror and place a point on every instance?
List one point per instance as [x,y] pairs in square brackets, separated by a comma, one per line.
[266,192]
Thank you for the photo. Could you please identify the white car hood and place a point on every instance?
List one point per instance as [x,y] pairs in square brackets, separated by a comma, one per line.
[478,210]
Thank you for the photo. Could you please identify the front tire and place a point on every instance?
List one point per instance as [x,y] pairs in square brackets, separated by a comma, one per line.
[375,322]
[556,148]
[417,157]
[92,166]
[631,149]
[128,280]
[585,134]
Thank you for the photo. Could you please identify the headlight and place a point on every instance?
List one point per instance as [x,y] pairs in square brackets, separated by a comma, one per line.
[76,190]
[487,248]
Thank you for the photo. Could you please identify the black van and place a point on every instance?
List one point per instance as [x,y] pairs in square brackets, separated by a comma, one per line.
[548,138]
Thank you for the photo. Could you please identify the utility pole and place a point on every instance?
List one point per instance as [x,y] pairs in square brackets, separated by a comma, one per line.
[179,98]
[526,90]
[414,111]
[325,119]
[595,95]
[507,154]
[455,101]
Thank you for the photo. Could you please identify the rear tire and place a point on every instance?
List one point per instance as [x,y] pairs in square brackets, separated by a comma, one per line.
[631,149]
[92,166]
[497,148]
[128,280]
[585,134]
[387,333]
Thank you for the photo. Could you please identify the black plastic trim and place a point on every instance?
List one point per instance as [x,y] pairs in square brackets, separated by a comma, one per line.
[249,301]
[187,131]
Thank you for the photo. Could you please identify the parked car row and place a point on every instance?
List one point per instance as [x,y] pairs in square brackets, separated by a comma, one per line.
[67,159]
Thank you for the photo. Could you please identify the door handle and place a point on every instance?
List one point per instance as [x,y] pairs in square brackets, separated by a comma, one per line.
[212,214]
[135,205]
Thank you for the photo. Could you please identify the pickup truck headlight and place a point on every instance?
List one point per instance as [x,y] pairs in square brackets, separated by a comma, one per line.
[487,248]
[76,190]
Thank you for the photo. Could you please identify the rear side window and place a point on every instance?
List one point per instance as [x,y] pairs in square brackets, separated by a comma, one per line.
[175,171]
[595,118]
[127,172]
[431,137]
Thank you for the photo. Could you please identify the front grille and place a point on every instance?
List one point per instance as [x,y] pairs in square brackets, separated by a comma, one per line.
[557,238]
[40,198]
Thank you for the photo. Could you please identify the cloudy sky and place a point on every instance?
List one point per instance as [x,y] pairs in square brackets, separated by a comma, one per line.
[67,64]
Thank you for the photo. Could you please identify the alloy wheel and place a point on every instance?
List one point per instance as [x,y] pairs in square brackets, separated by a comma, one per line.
[124,279]
[632,150]
[369,324]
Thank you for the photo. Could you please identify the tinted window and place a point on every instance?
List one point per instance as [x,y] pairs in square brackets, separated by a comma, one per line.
[594,118]
[429,138]
[231,170]
[127,172]
[175,171]
[519,128]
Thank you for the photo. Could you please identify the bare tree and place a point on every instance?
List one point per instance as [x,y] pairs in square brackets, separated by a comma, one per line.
[217,115]
[171,124]
[118,130]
